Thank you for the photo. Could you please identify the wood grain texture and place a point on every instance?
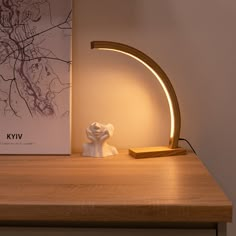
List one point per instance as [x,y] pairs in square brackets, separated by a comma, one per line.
[113,189]
[147,152]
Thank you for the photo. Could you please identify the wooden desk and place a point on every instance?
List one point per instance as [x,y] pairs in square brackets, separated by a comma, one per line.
[118,192]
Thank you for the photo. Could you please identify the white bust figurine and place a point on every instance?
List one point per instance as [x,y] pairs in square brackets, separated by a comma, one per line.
[98,134]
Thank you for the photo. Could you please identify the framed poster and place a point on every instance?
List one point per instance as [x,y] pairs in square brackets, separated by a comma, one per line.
[35,81]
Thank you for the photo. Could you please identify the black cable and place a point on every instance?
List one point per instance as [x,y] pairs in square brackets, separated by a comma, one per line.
[183,139]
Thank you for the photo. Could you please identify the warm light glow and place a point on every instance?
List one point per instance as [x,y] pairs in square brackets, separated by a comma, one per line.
[161,82]
[163,79]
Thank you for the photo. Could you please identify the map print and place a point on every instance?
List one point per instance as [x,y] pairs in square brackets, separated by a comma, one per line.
[35,64]
[29,81]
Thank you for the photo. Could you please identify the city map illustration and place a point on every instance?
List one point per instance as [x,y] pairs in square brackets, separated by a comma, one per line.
[34,58]
[35,76]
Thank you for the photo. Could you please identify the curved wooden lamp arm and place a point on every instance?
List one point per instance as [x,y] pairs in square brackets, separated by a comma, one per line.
[161,77]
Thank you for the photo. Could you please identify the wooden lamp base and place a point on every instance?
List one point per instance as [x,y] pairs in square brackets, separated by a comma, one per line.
[156,152]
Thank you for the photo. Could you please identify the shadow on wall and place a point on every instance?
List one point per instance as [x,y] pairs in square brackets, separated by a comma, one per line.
[102,13]
[123,15]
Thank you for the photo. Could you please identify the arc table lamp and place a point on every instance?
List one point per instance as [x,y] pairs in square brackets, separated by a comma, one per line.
[163,79]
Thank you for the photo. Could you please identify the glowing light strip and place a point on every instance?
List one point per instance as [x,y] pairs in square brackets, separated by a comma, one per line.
[172,128]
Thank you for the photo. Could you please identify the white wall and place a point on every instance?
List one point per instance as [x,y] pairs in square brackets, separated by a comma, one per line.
[194,42]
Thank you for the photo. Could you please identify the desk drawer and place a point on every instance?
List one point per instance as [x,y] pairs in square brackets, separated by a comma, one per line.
[36,231]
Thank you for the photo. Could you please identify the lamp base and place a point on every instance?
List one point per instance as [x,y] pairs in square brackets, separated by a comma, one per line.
[155,152]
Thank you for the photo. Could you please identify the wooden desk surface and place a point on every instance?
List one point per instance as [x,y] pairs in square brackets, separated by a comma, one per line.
[113,189]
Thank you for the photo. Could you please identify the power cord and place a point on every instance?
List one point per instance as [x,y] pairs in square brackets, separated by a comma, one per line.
[183,139]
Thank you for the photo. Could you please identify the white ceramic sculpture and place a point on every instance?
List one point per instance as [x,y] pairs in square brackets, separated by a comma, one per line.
[98,134]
